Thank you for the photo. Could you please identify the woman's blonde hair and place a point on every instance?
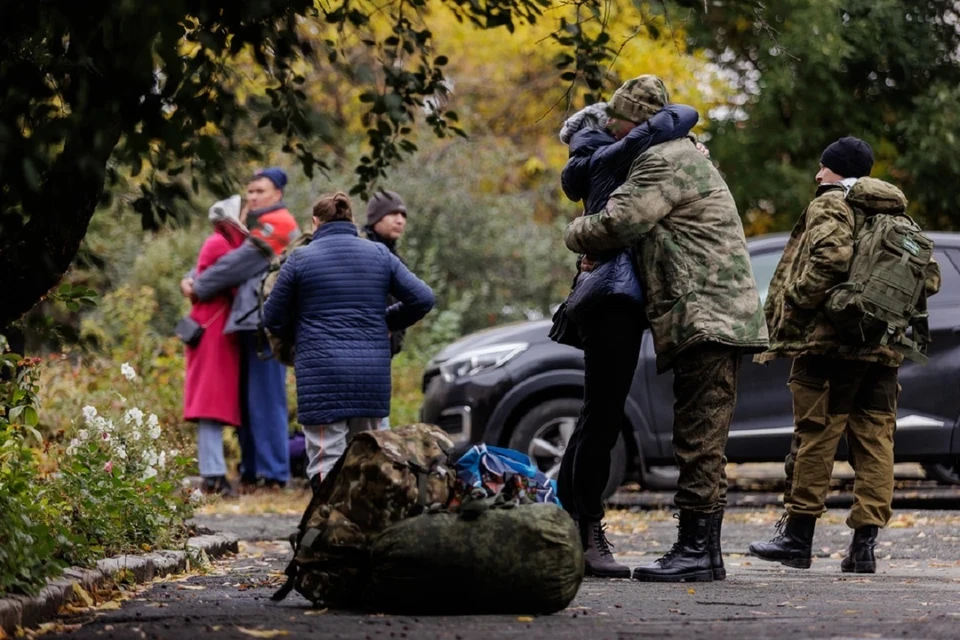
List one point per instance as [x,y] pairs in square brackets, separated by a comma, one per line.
[334,207]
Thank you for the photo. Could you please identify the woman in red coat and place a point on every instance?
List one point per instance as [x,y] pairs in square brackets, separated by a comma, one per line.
[211,395]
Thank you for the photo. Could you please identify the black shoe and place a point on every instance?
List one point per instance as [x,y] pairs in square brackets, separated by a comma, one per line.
[218,485]
[716,556]
[793,544]
[689,559]
[860,558]
[597,554]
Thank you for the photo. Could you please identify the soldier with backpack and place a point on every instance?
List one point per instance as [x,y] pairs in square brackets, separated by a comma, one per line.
[854,277]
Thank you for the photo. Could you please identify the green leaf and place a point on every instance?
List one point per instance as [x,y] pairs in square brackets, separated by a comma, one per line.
[32,419]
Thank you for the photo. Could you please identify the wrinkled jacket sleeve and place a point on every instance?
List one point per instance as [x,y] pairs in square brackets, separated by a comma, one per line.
[279,309]
[575,177]
[650,192]
[829,234]
[415,297]
[670,123]
[232,270]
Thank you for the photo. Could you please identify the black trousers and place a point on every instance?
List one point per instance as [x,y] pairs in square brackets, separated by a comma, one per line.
[611,335]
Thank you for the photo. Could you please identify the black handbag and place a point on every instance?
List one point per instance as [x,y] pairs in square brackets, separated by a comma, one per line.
[190,331]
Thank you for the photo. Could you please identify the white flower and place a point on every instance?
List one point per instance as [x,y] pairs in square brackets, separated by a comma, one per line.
[153,420]
[136,435]
[72,449]
[108,426]
[100,424]
[83,435]
[128,372]
[154,432]
[173,453]
[133,415]
[185,483]
[105,436]
[150,457]
[121,453]
[196,496]
[89,413]
[149,472]
[162,459]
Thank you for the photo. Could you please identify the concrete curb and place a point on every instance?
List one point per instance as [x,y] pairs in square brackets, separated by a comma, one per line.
[24,611]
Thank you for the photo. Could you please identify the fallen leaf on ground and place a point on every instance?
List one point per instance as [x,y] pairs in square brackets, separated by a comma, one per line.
[111,605]
[315,612]
[691,591]
[263,633]
[675,611]
[524,619]
[82,595]
[191,587]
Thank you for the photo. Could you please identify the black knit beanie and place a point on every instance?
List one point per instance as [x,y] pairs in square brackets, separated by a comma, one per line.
[848,157]
[382,204]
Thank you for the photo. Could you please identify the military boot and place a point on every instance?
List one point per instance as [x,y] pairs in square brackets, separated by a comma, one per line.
[689,559]
[793,544]
[716,556]
[860,558]
[597,554]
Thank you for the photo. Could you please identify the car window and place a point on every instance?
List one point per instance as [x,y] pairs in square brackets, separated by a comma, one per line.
[764,264]
[949,261]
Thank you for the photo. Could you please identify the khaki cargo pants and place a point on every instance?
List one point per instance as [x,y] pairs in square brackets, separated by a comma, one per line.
[832,398]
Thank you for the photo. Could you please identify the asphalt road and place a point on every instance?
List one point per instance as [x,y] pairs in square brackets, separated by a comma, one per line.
[916,593]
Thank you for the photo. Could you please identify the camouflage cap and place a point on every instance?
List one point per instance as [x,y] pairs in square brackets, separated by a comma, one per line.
[638,99]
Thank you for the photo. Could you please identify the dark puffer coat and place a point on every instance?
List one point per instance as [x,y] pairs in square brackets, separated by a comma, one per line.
[329,298]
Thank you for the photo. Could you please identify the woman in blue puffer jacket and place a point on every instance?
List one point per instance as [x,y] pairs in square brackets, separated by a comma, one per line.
[328,299]
[605,313]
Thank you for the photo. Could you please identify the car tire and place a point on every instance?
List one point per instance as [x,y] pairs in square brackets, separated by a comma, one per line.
[948,474]
[550,425]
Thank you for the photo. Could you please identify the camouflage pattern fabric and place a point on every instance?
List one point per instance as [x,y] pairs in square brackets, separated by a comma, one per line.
[382,478]
[818,257]
[637,100]
[502,559]
[282,348]
[832,398]
[705,387]
[691,251]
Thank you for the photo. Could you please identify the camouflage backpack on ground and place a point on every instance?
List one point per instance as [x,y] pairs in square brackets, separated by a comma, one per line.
[280,349]
[884,295]
[496,556]
[384,477]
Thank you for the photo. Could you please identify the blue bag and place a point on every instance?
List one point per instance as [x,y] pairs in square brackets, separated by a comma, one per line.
[496,470]
[615,277]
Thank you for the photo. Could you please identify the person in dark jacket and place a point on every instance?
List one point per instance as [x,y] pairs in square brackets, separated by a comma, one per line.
[329,299]
[386,222]
[603,145]
[265,455]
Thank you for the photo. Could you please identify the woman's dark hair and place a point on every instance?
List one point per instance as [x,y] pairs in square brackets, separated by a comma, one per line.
[333,207]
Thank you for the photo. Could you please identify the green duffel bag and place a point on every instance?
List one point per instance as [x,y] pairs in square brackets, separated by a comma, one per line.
[492,557]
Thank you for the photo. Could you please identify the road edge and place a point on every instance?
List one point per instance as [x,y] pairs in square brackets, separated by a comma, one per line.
[31,611]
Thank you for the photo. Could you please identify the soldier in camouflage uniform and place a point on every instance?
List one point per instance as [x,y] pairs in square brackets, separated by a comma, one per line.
[837,387]
[702,306]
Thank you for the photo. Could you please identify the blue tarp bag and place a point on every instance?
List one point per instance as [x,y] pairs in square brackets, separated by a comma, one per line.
[496,470]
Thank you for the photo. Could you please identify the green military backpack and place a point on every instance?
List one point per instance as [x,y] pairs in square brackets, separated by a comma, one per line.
[884,296]
[279,348]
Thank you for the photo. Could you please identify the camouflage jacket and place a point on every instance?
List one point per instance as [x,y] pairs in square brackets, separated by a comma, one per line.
[691,251]
[817,258]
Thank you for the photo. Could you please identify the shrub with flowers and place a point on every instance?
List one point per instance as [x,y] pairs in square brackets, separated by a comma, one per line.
[106,485]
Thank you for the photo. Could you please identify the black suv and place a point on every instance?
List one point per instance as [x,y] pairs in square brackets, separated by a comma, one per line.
[513,386]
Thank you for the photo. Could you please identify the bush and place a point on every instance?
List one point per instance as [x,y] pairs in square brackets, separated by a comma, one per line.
[103,486]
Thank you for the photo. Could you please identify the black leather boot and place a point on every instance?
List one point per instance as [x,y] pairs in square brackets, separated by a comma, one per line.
[860,558]
[793,544]
[716,556]
[218,485]
[597,554]
[689,559]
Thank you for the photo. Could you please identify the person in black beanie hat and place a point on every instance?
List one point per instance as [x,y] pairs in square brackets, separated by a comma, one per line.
[846,158]
[386,222]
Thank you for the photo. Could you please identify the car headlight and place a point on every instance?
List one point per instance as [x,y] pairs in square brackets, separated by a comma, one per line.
[472,362]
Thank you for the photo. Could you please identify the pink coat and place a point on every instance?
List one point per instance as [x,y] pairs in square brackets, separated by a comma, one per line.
[212,387]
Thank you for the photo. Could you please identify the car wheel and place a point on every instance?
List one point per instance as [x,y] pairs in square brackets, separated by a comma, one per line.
[544,432]
[943,473]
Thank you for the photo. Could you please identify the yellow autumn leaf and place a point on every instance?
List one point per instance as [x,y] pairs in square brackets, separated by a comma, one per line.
[315,612]
[82,595]
[525,619]
[263,633]
[692,591]
[191,587]
[112,605]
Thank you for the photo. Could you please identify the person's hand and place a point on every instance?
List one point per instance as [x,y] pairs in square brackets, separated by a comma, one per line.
[186,288]
[587,263]
[702,149]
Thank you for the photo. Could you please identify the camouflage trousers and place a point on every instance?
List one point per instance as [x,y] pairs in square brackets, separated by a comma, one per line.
[833,398]
[705,391]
